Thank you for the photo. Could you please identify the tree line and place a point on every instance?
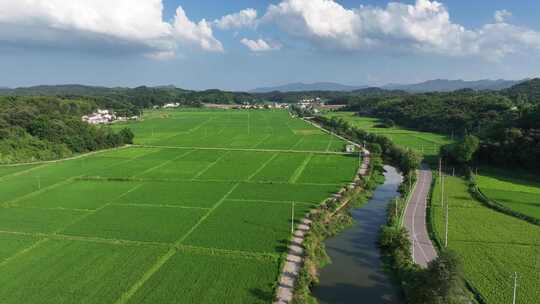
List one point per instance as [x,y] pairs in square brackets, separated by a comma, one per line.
[45,128]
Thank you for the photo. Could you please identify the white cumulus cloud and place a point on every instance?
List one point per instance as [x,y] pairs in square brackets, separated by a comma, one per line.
[502,15]
[122,25]
[196,33]
[424,26]
[246,18]
[260,45]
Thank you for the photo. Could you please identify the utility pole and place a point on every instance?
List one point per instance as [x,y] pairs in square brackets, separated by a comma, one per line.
[515,288]
[446,231]
[536,266]
[442,190]
[396,207]
[292,219]
[413,243]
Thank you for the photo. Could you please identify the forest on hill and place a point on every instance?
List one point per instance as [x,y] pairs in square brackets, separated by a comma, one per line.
[146,97]
[46,128]
[506,122]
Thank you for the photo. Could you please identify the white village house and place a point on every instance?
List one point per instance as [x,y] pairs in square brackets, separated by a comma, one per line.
[99,117]
[105,117]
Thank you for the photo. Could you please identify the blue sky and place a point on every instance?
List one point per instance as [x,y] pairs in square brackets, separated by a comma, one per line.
[149,42]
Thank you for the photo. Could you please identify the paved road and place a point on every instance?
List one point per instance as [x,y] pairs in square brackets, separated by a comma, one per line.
[415,220]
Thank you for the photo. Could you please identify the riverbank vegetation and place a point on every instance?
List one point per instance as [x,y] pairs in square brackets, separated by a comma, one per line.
[327,221]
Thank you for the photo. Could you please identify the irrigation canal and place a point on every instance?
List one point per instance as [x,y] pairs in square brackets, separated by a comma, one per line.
[356,274]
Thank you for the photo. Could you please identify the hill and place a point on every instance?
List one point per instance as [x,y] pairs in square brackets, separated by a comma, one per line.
[55,90]
[445,85]
[303,87]
[529,89]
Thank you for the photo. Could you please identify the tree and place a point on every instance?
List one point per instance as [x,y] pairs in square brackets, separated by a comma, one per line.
[441,282]
[395,241]
[127,136]
[462,152]
[410,161]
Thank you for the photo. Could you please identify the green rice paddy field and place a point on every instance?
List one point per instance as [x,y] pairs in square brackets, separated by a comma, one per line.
[200,214]
[426,143]
[491,245]
[515,190]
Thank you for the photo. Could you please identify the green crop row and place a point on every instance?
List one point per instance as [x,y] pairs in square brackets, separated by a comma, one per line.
[426,143]
[116,224]
[231,129]
[492,245]
[515,191]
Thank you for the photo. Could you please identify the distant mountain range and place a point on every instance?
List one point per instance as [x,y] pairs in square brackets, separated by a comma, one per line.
[438,85]
[302,87]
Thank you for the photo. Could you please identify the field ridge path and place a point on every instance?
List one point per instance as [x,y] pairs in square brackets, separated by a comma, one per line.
[298,172]
[268,161]
[245,149]
[203,171]
[164,163]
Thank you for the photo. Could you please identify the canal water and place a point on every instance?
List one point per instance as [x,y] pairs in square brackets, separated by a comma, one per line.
[356,275]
